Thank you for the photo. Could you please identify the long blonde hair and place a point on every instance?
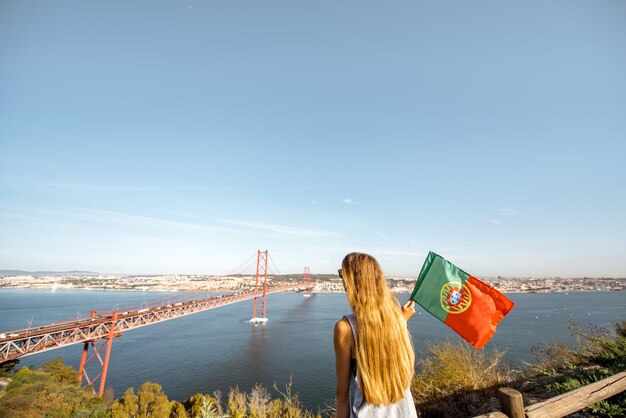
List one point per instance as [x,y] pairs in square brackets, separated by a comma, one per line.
[384,352]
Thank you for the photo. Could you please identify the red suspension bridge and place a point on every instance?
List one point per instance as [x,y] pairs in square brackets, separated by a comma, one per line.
[99,330]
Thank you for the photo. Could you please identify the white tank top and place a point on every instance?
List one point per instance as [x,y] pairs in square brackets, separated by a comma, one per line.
[360,408]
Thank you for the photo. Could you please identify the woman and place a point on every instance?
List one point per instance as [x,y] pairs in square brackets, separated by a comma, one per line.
[374,356]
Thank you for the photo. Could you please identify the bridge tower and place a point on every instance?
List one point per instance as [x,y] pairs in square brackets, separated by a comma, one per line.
[306,279]
[259,310]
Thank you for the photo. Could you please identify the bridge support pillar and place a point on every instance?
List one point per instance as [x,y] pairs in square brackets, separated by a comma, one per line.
[306,280]
[83,357]
[106,344]
[259,310]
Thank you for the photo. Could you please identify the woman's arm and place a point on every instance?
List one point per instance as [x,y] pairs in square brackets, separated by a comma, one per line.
[408,309]
[342,341]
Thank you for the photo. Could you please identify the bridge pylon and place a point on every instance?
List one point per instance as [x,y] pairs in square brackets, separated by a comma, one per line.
[259,310]
[106,343]
[306,279]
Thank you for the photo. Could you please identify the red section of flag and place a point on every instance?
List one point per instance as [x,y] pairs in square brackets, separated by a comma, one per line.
[478,323]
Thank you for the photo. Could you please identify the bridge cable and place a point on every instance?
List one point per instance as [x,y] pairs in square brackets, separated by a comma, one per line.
[239,269]
[274,265]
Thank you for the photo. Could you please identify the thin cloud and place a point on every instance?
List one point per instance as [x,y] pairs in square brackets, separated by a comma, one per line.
[73,214]
[81,217]
[490,219]
[376,252]
[315,202]
[282,229]
[138,219]
[124,218]
[25,217]
[396,253]
[507,211]
[25,182]
[132,188]
[383,236]
[348,201]
[98,188]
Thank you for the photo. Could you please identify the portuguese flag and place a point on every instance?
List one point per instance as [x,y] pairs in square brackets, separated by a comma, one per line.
[464,303]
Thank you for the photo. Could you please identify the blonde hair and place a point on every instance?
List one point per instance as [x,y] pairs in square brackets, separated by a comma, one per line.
[384,352]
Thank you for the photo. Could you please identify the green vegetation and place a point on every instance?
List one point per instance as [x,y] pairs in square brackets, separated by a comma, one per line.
[453,380]
[600,353]
[150,401]
[52,390]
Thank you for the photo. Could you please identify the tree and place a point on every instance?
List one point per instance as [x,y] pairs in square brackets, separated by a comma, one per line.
[6,368]
[152,401]
[126,406]
[200,406]
[51,390]
[209,410]
[237,407]
[177,410]
[59,372]
[258,402]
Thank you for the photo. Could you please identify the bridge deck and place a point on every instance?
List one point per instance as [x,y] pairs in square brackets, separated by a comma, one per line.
[24,342]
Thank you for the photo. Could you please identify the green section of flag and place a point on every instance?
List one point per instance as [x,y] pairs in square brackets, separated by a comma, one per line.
[435,273]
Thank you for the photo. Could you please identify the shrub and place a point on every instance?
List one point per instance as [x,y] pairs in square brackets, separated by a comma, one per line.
[177,410]
[150,401]
[600,353]
[454,380]
[237,407]
[554,356]
[6,368]
[259,404]
[203,406]
[51,390]
[289,406]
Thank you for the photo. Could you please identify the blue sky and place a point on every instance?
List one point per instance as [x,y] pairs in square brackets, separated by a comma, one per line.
[182,136]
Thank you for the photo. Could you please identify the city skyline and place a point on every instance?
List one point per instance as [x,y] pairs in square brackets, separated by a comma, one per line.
[181,137]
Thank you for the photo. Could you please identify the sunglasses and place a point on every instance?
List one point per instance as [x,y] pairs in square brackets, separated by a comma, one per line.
[340,273]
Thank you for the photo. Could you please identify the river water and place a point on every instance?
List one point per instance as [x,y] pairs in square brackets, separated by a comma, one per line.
[218,349]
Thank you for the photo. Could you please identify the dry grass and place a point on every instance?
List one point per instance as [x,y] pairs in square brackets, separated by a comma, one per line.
[455,366]
[456,380]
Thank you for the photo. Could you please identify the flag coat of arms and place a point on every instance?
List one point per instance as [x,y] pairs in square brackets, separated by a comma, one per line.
[470,307]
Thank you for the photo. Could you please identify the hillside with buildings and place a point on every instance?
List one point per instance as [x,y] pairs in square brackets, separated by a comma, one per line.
[237,283]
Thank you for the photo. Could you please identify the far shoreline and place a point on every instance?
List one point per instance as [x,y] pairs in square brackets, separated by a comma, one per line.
[99,289]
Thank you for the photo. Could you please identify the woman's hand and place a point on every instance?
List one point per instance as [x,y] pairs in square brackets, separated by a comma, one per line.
[408,309]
